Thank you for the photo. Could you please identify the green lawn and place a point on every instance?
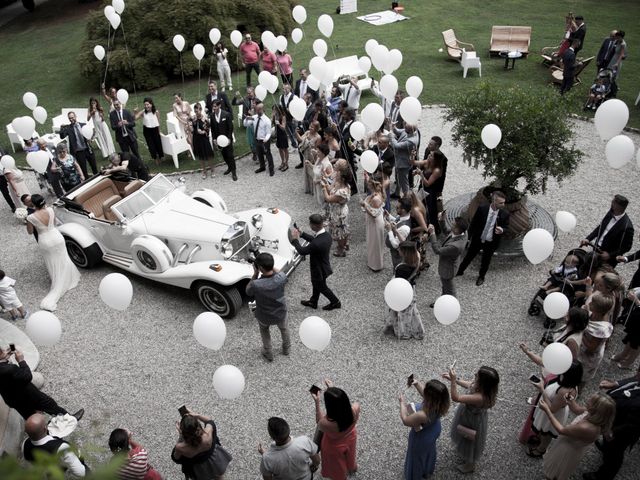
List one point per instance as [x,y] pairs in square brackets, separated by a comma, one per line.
[39,52]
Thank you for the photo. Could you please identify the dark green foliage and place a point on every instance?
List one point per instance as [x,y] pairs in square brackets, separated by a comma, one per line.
[537,141]
[150,26]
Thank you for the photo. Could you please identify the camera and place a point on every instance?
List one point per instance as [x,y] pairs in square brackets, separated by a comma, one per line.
[547,338]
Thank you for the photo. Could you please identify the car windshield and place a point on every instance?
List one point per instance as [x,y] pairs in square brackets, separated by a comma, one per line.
[149,195]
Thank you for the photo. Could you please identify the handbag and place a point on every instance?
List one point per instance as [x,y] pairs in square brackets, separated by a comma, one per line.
[466,432]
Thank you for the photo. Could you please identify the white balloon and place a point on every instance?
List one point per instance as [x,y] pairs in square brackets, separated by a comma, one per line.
[44,328]
[298,108]
[228,382]
[8,162]
[30,100]
[372,116]
[222,141]
[398,294]
[394,61]
[281,43]
[318,67]
[313,82]
[198,51]
[619,151]
[261,92]
[557,358]
[118,5]
[209,330]
[115,20]
[389,86]
[296,35]
[365,64]
[38,160]
[116,290]
[273,83]
[315,333]
[611,117]
[269,40]
[264,78]
[87,131]
[357,130]
[370,46]
[556,305]
[40,115]
[24,126]
[414,86]
[99,52]
[566,221]
[369,160]
[446,309]
[491,136]
[123,96]
[299,14]
[537,245]
[325,25]
[214,35]
[410,109]
[320,47]
[109,11]
[236,38]
[178,42]
[380,57]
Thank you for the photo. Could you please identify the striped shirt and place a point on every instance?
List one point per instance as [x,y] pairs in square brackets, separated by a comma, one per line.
[137,466]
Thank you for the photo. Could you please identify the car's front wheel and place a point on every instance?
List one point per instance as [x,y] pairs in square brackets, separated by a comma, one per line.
[83,257]
[226,302]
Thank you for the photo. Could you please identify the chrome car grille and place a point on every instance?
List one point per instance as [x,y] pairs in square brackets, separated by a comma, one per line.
[239,237]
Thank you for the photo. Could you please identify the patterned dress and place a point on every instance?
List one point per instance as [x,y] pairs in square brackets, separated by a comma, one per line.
[338,213]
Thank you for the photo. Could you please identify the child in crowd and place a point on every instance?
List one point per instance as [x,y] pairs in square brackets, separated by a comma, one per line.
[567,270]
[596,93]
[9,299]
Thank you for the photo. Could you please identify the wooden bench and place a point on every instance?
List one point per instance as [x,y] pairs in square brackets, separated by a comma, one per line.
[505,38]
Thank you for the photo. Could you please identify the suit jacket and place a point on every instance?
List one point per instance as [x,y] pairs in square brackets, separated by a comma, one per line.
[578,35]
[318,249]
[387,156]
[618,240]
[131,124]
[308,117]
[480,219]
[449,252]
[402,146]
[208,102]
[314,93]
[17,390]
[568,62]
[605,53]
[69,131]
[225,127]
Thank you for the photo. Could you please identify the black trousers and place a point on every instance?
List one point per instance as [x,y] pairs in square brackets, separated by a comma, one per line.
[613,451]
[154,142]
[567,83]
[54,180]
[248,67]
[38,401]
[263,149]
[320,287]
[4,187]
[227,156]
[84,156]
[129,144]
[488,249]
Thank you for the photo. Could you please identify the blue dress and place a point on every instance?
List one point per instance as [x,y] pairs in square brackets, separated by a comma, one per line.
[420,461]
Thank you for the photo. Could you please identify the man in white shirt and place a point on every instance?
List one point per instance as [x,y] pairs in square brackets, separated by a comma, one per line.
[40,440]
[614,235]
[288,458]
[262,127]
[351,93]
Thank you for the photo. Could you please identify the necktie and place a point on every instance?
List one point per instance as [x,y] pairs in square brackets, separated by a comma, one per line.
[258,125]
[303,88]
[488,226]
[124,128]
[79,137]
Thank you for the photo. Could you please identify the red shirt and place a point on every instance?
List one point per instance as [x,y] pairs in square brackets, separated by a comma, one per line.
[268,61]
[250,52]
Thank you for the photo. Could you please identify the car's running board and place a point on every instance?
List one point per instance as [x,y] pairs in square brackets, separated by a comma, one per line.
[122,261]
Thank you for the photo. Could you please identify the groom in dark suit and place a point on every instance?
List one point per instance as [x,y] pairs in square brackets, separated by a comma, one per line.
[123,123]
[318,249]
[487,228]
[79,146]
[222,124]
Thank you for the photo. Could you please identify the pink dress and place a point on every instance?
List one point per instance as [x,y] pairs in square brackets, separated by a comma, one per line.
[284,62]
[338,451]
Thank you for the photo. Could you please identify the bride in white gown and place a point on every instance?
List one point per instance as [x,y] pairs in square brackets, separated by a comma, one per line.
[63,273]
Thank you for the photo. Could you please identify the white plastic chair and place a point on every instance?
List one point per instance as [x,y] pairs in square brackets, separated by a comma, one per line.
[174,146]
[173,125]
[469,60]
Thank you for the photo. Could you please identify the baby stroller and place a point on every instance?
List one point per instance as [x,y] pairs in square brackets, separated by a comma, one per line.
[535,307]
[608,90]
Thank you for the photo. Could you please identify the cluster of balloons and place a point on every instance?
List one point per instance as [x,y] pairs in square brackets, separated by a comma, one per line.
[30,101]
[611,117]
[383,59]
[272,42]
[112,13]
[116,291]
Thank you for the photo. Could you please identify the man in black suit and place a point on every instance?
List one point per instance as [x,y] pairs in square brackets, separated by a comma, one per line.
[346,143]
[384,152]
[302,86]
[4,186]
[214,95]
[485,232]
[614,235]
[123,123]
[222,124]
[625,432]
[606,51]
[78,145]
[318,249]
[19,393]
[568,67]
[579,33]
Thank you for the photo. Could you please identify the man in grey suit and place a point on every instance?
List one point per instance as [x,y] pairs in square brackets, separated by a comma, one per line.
[449,252]
[403,142]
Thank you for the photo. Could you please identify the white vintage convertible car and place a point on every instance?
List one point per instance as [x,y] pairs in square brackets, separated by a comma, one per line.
[155,230]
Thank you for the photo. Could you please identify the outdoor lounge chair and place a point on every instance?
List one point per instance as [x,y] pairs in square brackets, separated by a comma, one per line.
[455,46]
[549,56]
[556,72]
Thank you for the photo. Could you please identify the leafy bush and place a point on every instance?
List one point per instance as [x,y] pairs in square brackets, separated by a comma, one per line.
[537,142]
[150,26]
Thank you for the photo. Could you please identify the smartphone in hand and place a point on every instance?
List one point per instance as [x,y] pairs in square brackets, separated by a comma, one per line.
[534,379]
[12,347]
[410,380]
[314,390]
[182,410]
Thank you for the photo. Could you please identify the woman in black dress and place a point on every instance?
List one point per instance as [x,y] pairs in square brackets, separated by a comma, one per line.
[201,146]
[432,176]
[279,120]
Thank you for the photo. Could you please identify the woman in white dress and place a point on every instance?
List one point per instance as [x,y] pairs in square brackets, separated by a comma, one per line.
[224,70]
[63,273]
[15,178]
[183,113]
[101,131]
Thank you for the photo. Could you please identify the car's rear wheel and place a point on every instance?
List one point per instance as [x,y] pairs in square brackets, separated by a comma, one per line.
[83,257]
[226,302]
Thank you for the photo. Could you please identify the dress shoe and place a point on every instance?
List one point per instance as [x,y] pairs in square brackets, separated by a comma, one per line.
[261,169]
[332,306]
[300,165]
[267,356]
[234,176]
[309,303]
[479,281]
[227,172]
[79,414]
[271,173]
[285,168]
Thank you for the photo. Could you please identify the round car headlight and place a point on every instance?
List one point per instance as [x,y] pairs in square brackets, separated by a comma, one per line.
[256,221]
[226,249]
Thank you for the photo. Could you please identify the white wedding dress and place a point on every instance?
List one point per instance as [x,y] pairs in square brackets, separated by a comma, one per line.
[63,273]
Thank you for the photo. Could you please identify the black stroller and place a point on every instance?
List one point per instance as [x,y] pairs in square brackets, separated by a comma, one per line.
[608,89]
